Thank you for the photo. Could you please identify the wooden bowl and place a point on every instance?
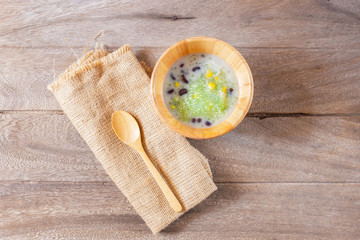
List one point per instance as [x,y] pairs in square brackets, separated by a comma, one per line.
[203,45]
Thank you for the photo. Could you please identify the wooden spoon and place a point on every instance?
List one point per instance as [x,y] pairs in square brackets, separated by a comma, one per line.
[127,130]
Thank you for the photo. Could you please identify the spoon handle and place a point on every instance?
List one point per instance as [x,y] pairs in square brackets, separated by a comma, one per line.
[169,195]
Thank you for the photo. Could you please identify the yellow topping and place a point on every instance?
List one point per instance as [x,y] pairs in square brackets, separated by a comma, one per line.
[209,73]
[224,89]
[217,78]
[172,106]
[195,96]
[212,85]
[177,84]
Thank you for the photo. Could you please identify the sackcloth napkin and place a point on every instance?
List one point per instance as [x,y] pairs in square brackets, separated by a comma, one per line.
[97,85]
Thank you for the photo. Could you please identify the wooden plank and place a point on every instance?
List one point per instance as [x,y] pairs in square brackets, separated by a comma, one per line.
[37,146]
[247,211]
[44,147]
[286,80]
[305,24]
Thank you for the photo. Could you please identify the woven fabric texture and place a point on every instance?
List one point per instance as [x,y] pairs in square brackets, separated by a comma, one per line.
[98,84]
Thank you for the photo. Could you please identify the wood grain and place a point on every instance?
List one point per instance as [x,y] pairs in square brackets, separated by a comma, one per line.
[286,80]
[279,177]
[43,147]
[250,23]
[34,210]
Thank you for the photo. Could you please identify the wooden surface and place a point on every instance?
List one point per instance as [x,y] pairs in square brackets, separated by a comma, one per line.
[290,170]
[227,53]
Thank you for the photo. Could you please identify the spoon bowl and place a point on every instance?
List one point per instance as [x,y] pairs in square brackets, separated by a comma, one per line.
[126,127]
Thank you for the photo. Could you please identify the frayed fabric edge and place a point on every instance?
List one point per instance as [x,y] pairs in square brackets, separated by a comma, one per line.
[89,61]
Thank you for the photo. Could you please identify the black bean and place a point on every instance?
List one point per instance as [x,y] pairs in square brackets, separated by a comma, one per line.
[193,120]
[196,68]
[182,91]
[170,91]
[172,76]
[199,120]
[231,90]
[207,123]
[183,72]
[184,79]
[181,65]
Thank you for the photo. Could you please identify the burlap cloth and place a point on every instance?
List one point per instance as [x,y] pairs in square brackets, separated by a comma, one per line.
[98,84]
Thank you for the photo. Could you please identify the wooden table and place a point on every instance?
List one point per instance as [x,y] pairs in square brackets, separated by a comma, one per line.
[291,170]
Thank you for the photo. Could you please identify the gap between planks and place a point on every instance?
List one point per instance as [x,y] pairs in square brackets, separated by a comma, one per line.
[218,183]
[260,115]
[136,47]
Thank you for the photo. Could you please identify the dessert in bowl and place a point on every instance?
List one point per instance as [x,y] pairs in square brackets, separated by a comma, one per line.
[202,87]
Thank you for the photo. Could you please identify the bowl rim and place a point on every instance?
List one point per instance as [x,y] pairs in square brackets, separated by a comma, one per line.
[201,133]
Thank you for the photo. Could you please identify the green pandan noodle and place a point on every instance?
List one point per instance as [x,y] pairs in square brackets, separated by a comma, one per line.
[207,97]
